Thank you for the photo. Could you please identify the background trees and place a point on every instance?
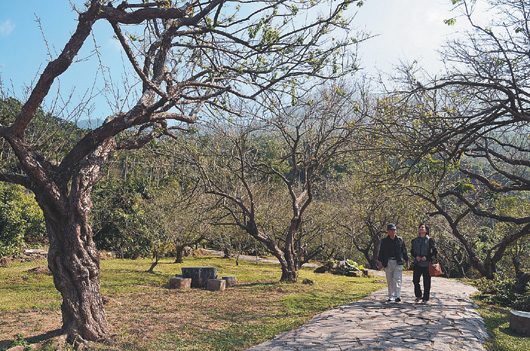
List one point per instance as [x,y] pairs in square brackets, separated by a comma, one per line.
[268,172]
[464,135]
[183,58]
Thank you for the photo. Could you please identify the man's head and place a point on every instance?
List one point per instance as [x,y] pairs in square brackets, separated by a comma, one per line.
[391,230]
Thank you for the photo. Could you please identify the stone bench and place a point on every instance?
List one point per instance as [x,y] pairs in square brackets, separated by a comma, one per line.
[230,281]
[179,283]
[216,284]
[199,275]
[520,322]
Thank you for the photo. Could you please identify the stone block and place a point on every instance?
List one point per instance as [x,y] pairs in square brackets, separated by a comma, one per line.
[199,275]
[230,281]
[179,283]
[216,284]
[520,322]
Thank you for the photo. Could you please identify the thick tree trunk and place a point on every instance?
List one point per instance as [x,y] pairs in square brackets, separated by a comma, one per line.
[289,264]
[289,274]
[74,263]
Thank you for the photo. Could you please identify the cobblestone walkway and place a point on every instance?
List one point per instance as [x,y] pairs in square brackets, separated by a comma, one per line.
[448,322]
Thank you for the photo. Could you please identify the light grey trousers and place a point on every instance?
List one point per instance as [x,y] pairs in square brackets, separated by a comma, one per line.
[394,273]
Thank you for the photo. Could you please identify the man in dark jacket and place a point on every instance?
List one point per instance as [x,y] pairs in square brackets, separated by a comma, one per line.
[392,255]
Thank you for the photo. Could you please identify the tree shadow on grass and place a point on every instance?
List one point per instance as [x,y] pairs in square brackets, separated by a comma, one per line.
[510,332]
[6,344]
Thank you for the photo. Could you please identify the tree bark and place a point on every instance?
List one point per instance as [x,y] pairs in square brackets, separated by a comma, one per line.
[179,253]
[289,275]
[290,261]
[74,263]
[156,257]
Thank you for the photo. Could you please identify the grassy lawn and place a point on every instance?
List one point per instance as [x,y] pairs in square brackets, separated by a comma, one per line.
[503,339]
[145,315]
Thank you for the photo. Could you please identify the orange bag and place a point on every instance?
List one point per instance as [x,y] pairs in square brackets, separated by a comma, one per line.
[435,270]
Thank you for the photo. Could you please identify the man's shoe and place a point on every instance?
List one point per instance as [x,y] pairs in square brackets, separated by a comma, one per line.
[389,300]
[398,299]
[418,299]
[424,301]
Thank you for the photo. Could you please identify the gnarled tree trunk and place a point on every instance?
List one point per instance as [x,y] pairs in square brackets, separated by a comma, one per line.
[74,263]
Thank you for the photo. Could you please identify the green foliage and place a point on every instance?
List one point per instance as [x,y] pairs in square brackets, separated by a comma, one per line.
[49,134]
[354,264]
[20,219]
[450,21]
[118,221]
[502,291]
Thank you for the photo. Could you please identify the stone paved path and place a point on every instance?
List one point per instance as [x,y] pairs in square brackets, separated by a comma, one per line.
[448,322]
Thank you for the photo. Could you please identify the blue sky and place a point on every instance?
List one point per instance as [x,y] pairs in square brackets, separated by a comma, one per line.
[407,30]
[24,52]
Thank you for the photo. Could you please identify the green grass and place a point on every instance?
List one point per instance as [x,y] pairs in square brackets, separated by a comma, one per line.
[145,315]
[497,323]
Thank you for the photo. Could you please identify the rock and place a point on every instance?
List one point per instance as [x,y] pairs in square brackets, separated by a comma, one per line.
[199,275]
[216,284]
[322,269]
[520,322]
[308,281]
[4,262]
[179,283]
[230,281]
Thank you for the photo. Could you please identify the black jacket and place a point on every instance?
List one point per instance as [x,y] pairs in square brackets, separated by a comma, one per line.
[423,247]
[392,248]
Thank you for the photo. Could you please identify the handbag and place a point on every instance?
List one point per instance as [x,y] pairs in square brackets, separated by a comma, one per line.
[435,270]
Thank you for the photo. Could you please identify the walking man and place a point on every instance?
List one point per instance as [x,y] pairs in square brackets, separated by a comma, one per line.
[392,255]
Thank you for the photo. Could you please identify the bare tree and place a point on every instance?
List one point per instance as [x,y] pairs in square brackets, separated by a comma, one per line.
[293,150]
[184,57]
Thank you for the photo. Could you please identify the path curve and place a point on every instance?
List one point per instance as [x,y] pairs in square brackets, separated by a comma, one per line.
[449,322]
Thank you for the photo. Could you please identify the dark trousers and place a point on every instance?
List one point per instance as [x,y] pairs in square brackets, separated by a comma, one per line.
[418,272]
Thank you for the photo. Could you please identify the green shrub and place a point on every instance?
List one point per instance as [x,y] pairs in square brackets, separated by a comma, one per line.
[21,219]
[502,291]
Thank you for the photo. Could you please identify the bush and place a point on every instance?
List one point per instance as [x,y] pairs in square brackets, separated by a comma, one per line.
[117,219]
[502,291]
[21,219]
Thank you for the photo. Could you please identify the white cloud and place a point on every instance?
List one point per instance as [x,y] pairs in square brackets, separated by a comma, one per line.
[6,27]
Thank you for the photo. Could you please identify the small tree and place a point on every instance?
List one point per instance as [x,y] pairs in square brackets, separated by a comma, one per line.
[177,217]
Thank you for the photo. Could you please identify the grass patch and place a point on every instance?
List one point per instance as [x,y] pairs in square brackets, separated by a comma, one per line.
[145,315]
[497,322]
